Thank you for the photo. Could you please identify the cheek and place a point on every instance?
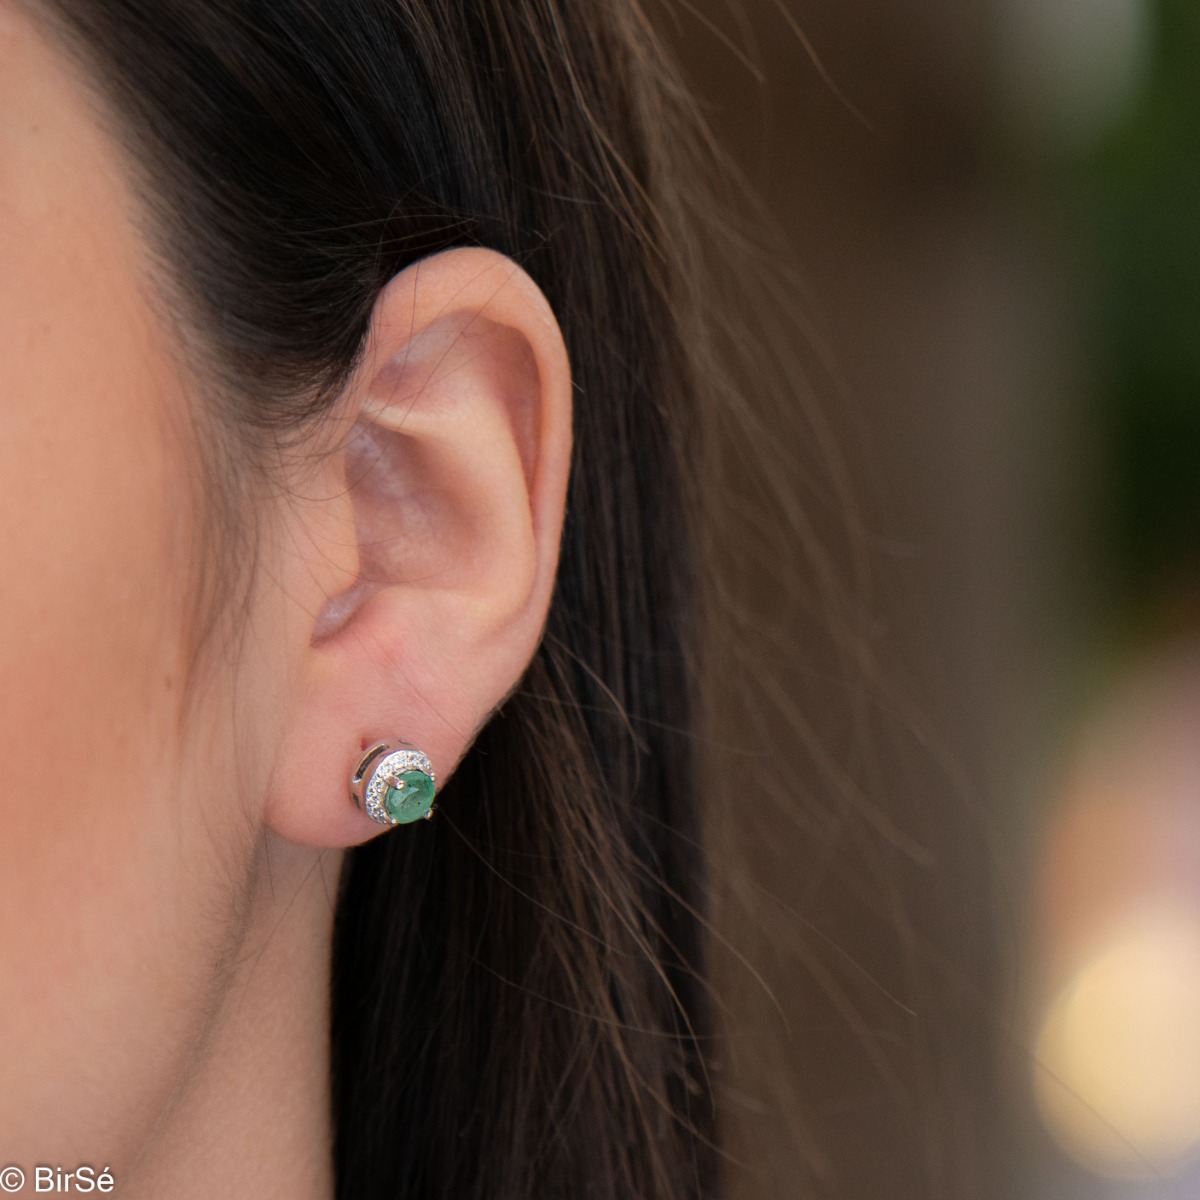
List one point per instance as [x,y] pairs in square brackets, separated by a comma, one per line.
[112,889]
[86,684]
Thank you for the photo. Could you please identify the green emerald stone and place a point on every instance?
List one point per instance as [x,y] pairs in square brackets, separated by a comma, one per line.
[409,798]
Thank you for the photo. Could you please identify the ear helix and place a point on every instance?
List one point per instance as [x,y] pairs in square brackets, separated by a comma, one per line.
[394,783]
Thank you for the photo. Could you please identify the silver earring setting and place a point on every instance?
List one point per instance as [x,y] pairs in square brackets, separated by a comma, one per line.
[394,784]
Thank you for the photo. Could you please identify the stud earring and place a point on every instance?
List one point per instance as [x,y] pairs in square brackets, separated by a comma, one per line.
[394,784]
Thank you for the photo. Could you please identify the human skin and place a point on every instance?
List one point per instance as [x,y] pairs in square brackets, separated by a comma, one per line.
[167,873]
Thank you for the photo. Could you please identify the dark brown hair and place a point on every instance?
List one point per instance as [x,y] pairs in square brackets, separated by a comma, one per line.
[520,1004]
[518,1008]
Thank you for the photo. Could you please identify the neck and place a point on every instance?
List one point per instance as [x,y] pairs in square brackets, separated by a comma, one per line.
[252,1116]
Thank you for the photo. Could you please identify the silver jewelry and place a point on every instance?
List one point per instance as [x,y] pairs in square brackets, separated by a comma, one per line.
[394,784]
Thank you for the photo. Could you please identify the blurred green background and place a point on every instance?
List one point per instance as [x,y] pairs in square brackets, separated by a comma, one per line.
[992,209]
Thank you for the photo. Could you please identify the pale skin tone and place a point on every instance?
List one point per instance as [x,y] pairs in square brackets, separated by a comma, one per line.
[165,885]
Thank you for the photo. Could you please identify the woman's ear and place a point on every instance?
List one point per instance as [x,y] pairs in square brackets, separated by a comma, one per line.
[434,549]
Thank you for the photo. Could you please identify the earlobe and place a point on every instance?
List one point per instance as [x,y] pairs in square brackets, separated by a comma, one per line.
[456,465]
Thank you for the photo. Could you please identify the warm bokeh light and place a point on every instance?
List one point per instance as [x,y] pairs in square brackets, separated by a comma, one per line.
[1118,1057]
